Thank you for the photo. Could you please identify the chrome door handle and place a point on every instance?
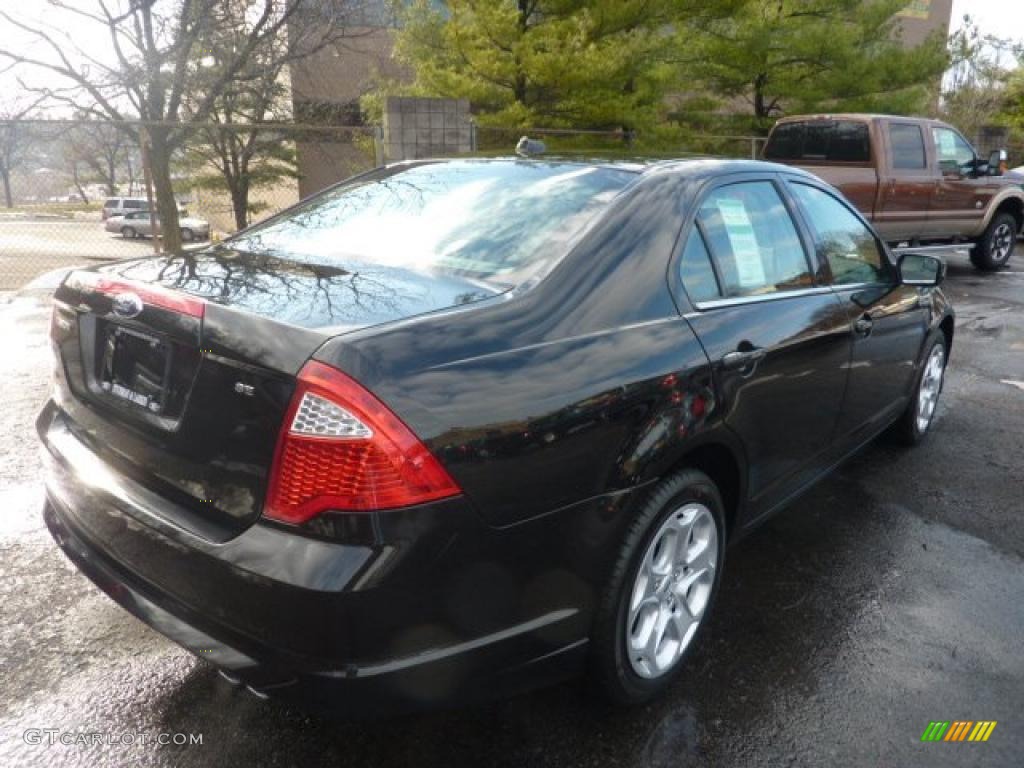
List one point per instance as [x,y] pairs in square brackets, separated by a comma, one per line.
[744,359]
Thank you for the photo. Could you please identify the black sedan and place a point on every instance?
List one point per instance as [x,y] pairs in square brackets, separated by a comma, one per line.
[458,428]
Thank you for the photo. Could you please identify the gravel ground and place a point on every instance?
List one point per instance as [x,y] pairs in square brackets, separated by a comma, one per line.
[887,597]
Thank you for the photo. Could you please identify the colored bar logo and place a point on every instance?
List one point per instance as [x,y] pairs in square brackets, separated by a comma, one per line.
[958,730]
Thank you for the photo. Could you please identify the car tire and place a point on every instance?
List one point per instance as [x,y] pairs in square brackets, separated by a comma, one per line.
[128,233]
[687,504]
[913,425]
[187,235]
[993,249]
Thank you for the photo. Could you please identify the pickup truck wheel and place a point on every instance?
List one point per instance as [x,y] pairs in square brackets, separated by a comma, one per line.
[995,247]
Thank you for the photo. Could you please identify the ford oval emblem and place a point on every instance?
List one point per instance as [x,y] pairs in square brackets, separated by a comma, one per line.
[127,304]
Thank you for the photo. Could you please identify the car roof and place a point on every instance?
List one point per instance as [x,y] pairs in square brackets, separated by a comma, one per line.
[696,168]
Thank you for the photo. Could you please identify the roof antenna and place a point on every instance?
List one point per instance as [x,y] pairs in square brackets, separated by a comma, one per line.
[528,147]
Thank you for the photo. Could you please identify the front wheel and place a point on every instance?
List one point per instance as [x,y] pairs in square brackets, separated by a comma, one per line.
[128,233]
[994,248]
[661,590]
[917,419]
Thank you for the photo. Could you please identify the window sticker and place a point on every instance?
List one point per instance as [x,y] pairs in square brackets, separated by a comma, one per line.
[745,251]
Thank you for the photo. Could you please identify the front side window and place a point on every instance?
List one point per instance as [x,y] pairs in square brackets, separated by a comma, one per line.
[954,153]
[841,239]
[134,203]
[907,146]
[753,240]
[496,221]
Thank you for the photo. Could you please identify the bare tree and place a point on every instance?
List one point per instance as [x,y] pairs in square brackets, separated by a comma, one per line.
[159,71]
[104,150]
[16,140]
[244,152]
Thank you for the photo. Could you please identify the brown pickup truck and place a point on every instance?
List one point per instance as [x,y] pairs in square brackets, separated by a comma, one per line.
[918,181]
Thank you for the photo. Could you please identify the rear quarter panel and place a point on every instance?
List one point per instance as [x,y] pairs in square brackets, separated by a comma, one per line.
[578,387]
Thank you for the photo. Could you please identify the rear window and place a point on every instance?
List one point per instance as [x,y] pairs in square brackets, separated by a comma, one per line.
[829,140]
[111,203]
[496,221]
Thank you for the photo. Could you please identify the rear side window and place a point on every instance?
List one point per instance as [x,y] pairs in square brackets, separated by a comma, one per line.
[134,203]
[695,269]
[753,240]
[829,140]
[907,146]
[852,252]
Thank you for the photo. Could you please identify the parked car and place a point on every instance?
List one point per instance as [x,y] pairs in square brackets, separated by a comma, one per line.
[140,224]
[119,206]
[458,428]
[916,180]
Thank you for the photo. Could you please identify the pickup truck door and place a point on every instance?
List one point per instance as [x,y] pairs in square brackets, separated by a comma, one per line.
[906,181]
[961,197]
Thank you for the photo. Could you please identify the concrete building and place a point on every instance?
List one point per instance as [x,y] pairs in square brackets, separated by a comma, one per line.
[923,17]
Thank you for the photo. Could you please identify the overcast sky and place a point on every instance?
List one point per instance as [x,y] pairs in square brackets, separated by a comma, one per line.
[1003,18]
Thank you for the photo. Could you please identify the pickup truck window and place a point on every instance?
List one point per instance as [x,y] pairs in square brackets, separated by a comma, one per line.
[830,140]
[954,153]
[907,146]
[841,238]
[753,240]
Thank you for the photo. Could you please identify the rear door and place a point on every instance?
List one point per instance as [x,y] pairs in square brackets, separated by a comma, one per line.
[778,338]
[905,192]
[887,320]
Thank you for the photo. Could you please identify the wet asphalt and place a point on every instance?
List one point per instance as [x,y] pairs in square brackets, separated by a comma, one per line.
[889,596]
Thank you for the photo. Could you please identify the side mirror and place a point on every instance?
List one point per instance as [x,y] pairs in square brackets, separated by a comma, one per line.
[921,269]
[997,162]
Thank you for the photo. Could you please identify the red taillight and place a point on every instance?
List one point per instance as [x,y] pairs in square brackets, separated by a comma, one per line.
[155,295]
[342,448]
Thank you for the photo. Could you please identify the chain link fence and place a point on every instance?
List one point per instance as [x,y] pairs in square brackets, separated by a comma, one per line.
[74,191]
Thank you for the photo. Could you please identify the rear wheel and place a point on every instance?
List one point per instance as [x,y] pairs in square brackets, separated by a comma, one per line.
[129,233]
[994,248]
[917,419]
[662,587]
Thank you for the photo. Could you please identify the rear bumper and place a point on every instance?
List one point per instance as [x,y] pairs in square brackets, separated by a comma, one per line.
[431,619]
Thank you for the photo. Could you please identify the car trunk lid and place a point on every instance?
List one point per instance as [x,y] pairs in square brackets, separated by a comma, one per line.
[181,369]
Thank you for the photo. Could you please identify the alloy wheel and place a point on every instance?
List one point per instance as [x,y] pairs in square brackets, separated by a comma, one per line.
[1002,242]
[671,591]
[930,387]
